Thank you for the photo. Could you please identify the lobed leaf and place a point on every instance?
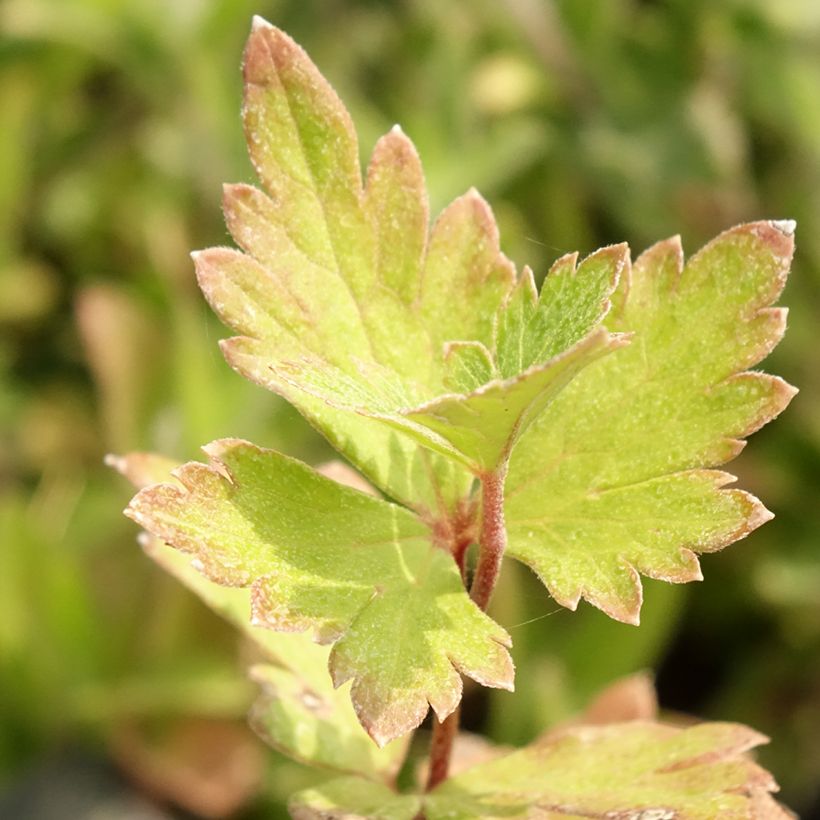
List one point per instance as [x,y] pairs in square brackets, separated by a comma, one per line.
[612,483]
[540,344]
[635,770]
[574,300]
[481,428]
[356,571]
[349,310]
[620,771]
[331,271]
[299,713]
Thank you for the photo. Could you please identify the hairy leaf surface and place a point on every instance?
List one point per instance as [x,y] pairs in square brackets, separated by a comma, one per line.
[300,713]
[346,306]
[358,572]
[638,770]
[621,771]
[611,482]
[351,798]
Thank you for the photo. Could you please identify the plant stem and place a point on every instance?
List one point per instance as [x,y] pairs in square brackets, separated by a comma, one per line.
[492,542]
[493,539]
[441,748]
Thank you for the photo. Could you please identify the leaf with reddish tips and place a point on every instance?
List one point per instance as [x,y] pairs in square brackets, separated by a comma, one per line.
[482,427]
[465,277]
[356,571]
[540,344]
[142,469]
[299,713]
[627,699]
[630,698]
[573,301]
[612,483]
[553,340]
[638,770]
[626,771]
[330,277]
[395,200]
[350,311]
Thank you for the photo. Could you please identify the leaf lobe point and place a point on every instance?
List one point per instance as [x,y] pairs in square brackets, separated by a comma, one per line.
[259,22]
[786,226]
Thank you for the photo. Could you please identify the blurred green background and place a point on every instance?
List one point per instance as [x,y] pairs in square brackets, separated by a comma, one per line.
[584,122]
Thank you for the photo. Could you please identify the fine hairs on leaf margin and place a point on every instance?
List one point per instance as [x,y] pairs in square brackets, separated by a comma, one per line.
[576,429]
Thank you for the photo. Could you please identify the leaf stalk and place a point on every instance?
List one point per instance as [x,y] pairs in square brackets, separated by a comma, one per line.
[492,543]
[493,538]
[441,748]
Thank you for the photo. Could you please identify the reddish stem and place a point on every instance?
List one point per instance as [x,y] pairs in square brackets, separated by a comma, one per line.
[493,539]
[492,542]
[441,748]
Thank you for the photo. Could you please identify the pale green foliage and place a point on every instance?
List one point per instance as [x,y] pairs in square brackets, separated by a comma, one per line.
[611,483]
[300,712]
[367,325]
[341,296]
[608,398]
[358,572]
[618,770]
[539,345]
[532,329]
[623,770]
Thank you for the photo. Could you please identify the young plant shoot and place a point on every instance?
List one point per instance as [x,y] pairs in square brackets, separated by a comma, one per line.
[577,429]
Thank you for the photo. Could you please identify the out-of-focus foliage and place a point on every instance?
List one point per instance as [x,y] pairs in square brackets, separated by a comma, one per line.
[583,123]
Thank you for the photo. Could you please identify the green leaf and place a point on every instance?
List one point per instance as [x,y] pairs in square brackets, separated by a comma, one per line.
[303,716]
[300,713]
[350,311]
[618,771]
[358,572]
[611,482]
[482,427]
[467,366]
[352,798]
[332,270]
[573,301]
[625,771]
[540,345]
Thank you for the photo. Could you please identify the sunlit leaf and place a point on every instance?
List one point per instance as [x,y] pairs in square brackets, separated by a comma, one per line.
[622,771]
[300,712]
[347,308]
[612,481]
[638,770]
[356,571]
